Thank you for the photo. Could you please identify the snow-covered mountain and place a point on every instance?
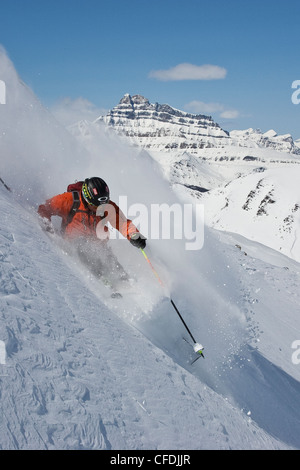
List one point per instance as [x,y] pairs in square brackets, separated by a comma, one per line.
[161,127]
[254,138]
[247,180]
[80,370]
[155,126]
[262,206]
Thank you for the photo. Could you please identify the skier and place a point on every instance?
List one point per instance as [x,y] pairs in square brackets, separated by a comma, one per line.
[85,209]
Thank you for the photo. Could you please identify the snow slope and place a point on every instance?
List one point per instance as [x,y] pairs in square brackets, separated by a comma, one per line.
[84,371]
[79,376]
[262,206]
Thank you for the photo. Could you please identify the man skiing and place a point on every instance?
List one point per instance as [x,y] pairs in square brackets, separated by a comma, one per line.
[85,209]
[94,210]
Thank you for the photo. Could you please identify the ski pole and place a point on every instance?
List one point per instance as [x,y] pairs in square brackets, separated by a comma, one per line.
[150,264]
[198,348]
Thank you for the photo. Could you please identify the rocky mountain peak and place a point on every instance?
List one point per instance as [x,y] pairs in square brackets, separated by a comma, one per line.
[160,127]
[134,100]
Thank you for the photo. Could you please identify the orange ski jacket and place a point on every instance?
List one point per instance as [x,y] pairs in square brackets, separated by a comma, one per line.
[86,222]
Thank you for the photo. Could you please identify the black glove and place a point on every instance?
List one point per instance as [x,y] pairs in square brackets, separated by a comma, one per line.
[137,240]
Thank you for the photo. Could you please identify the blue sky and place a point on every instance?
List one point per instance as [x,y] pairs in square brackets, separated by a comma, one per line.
[92,52]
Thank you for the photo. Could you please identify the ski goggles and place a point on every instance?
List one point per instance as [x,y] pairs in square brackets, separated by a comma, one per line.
[86,194]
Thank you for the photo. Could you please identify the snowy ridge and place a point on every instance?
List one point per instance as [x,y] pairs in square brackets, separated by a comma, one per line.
[155,126]
[82,371]
[258,200]
[161,127]
[270,139]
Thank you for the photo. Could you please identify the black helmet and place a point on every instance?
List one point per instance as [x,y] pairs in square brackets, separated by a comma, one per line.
[95,191]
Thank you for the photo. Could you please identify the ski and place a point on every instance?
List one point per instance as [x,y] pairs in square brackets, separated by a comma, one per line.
[116,295]
[107,283]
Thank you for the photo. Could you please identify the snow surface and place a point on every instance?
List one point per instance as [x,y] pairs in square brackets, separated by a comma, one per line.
[84,371]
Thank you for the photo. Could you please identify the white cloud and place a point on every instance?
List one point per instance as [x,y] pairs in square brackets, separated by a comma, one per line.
[190,72]
[201,107]
[68,111]
[211,108]
[230,114]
